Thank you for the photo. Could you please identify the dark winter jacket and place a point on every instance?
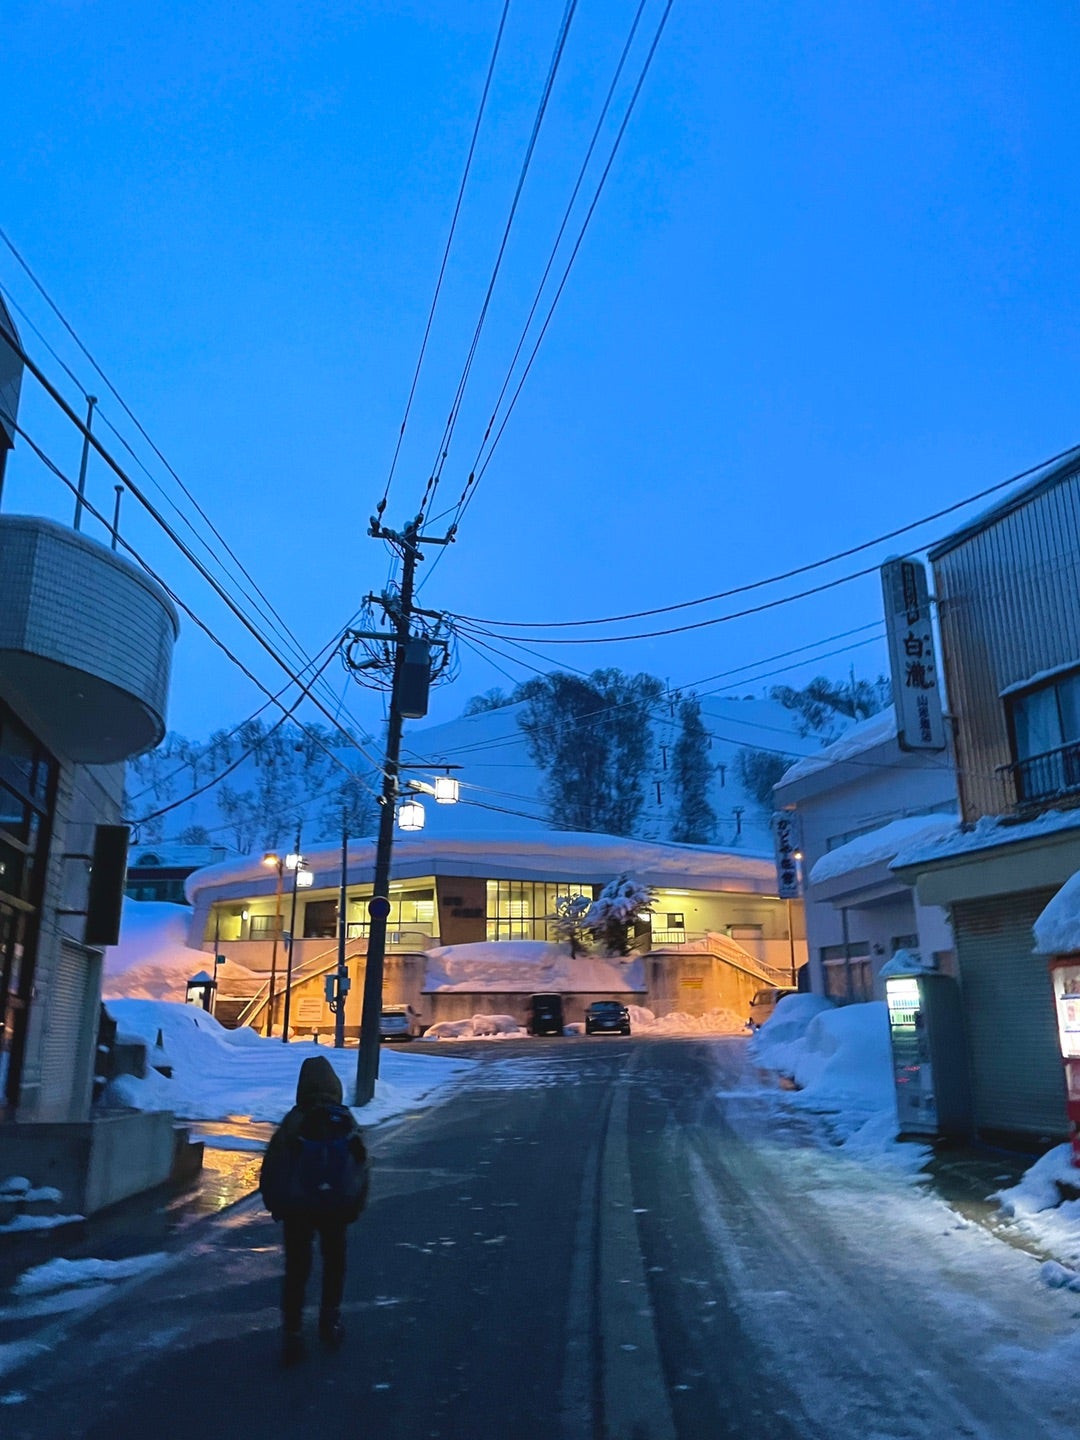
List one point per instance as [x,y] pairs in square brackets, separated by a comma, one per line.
[317,1088]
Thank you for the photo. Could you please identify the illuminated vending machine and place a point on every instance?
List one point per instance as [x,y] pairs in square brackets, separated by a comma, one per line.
[930,1070]
[1065,977]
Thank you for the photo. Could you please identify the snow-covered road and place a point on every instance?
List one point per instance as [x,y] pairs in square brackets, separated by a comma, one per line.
[875,1307]
[603,1239]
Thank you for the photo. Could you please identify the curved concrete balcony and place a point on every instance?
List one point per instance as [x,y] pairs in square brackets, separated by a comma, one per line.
[86,641]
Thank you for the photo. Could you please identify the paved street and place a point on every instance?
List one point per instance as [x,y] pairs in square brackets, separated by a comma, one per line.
[607,1238]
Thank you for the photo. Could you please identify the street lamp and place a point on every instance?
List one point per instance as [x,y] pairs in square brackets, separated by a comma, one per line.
[411,815]
[270,858]
[446,790]
[303,879]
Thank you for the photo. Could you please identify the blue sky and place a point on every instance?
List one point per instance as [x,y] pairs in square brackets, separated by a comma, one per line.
[830,287]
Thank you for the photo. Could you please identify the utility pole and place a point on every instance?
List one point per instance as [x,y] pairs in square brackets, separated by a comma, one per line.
[292,940]
[342,987]
[408,542]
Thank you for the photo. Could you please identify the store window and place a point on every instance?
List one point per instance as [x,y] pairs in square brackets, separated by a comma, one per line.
[27,795]
[1045,727]
[522,909]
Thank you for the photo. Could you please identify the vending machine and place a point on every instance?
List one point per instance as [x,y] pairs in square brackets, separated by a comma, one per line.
[1065,978]
[929,1051]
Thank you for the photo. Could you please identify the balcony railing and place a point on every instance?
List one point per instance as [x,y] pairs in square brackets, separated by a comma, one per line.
[1045,777]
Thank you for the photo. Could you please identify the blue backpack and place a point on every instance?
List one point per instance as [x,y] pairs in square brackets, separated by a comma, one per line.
[324,1169]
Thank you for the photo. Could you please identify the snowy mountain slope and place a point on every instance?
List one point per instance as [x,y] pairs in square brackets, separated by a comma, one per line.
[501,787]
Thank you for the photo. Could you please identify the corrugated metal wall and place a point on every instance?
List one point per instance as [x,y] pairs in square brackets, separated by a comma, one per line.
[62,1079]
[1017,1078]
[1009,607]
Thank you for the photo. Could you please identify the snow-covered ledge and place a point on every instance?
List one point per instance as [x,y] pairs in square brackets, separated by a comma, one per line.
[1057,930]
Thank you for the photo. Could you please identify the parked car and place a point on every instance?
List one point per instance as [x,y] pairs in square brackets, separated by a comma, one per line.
[607,1017]
[545,1014]
[765,1002]
[396,1023]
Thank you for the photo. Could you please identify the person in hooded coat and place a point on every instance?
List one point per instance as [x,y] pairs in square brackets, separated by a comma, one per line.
[318,1102]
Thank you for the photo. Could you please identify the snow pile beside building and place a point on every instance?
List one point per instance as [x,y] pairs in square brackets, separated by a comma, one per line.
[218,1073]
[1057,930]
[881,844]
[479,1027]
[1037,1206]
[841,1061]
[153,960]
[528,967]
[713,1022]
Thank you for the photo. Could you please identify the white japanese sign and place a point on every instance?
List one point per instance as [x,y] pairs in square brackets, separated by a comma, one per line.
[787,842]
[919,723]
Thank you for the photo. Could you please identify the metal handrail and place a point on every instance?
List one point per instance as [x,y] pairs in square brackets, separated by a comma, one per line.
[1041,777]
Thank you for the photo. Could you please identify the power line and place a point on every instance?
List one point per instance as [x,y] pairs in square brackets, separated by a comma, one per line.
[267,611]
[562,227]
[235,764]
[446,255]
[553,69]
[475,476]
[202,625]
[787,574]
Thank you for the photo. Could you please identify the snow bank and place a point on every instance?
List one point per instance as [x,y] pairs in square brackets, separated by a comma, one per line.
[1057,930]
[218,1073]
[841,1061]
[528,967]
[153,960]
[713,1022]
[479,1027]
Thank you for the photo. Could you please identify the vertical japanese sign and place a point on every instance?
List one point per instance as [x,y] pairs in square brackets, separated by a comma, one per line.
[919,724]
[787,842]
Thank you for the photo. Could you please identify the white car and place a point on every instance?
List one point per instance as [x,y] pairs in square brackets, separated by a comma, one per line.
[765,1002]
[396,1023]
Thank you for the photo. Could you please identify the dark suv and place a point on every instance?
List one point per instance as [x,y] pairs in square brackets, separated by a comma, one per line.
[545,1014]
[607,1017]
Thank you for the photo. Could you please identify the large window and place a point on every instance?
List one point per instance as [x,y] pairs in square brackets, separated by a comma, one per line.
[522,909]
[411,911]
[847,972]
[1046,738]
[27,793]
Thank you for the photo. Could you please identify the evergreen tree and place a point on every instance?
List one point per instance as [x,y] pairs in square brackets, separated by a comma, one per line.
[759,770]
[825,704]
[695,819]
[592,736]
[614,911]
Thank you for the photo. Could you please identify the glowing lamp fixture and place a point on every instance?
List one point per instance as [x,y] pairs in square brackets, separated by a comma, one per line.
[446,790]
[304,878]
[411,815]
[293,862]
[271,859]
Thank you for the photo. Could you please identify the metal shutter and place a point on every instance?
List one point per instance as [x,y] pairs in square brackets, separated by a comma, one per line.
[63,1042]
[1017,1077]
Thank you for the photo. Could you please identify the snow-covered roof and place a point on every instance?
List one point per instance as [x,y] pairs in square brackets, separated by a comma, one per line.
[1044,478]
[1057,930]
[986,834]
[545,855]
[173,854]
[856,740]
[881,844]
